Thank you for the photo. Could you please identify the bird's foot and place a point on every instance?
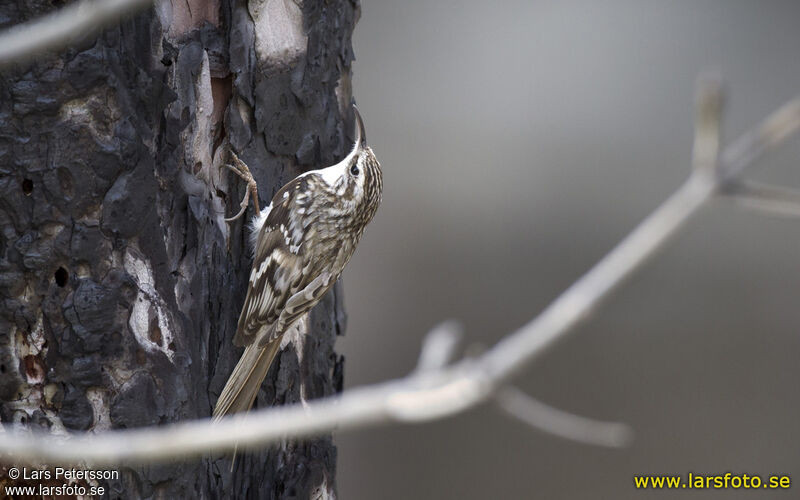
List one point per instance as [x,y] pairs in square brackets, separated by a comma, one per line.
[240,168]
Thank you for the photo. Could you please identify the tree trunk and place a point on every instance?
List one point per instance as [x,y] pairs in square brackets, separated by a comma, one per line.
[120,282]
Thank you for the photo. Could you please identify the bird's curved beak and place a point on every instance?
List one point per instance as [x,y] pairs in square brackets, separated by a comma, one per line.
[358,145]
[361,134]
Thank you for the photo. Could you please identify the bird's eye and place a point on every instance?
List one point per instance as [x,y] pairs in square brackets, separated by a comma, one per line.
[354,169]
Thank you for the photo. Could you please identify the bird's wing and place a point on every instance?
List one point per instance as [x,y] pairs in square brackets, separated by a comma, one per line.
[279,269]
[300,303]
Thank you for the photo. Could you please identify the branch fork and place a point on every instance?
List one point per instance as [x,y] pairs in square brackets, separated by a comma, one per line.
[437,389]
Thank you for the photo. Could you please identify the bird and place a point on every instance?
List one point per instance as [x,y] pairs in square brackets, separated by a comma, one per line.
[301,243]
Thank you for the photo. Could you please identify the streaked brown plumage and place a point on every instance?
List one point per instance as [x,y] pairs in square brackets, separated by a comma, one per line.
[302,242]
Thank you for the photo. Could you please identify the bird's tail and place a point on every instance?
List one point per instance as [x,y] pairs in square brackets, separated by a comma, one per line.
[242,387]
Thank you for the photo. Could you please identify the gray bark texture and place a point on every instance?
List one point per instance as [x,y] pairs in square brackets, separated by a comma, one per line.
[120,282]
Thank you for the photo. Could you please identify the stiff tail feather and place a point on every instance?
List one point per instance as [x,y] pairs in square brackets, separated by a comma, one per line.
[242,387]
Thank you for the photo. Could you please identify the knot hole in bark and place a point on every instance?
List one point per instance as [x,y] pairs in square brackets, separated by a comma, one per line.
[61,276]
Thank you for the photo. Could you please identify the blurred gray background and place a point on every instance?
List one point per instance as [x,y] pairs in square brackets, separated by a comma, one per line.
[520,141]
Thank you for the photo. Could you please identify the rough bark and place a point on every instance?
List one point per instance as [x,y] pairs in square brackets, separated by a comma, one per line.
[120,282]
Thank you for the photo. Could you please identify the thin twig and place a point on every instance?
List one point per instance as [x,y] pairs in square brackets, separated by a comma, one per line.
[430,394]
[59,28]
[574,305]
[545,418]
[708,111]
[769,133]
[439,346]
[765,198]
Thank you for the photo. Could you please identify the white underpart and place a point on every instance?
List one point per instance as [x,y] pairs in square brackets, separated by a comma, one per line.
[257,223]
[332,174]
[147,298]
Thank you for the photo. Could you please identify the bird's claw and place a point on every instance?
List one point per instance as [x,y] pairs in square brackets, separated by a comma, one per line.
[240,168]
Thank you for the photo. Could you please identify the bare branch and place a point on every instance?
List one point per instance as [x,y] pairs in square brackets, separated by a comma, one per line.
[439,346]
[57,29]
[574,305]
[434,393]
[769,133]
[708,110]
[765,198]
[545,418]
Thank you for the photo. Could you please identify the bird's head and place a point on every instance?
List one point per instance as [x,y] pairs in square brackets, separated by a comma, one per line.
[357,180]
